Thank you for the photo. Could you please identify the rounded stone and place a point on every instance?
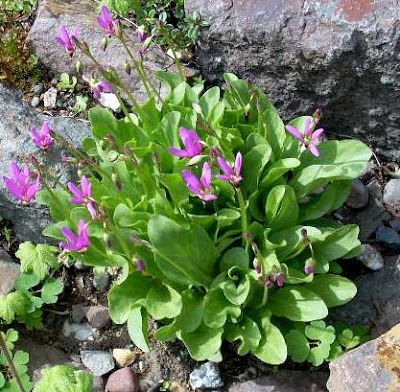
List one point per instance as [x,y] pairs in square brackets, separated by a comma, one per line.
[35,102]
[359,195]
[99,362]
[38,89]
[123,380]
[371,257]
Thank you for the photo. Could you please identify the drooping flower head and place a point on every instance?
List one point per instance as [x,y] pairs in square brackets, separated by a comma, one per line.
[231,173]
[192,142]
[76,242]
[98,88]
[67,40]
[140,265]
[106,21]
[308,137]
[21,184]
[44,138]
[83,195]
[200,187]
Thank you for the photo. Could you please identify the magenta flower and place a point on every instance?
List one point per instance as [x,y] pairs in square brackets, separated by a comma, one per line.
[309,138]
[100,87]
[20,184]
[106,21]
[84,195]
[140,265]
[200,187]
[142,36]
[76,242]
[279,279]
[231,173]
[44,138]
[192,142]
[67,40]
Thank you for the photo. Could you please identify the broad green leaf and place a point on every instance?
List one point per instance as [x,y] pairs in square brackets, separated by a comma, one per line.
[57,200]
[236,285]
[166,333]
[297,344]
[277,170]
[329,200]
[127,295]
[254,162]
[234,257]
[163,302]
[191,260]
[50,290]
[297,304]
[150,115]
[37,259]
[138,328]
[192,311]
[248,333]
[203,343]
[103,122]
[339,243]
[338,160]
[319,353]
[209,100]
[281,207]
[217,309]
[272,348]
[335,290]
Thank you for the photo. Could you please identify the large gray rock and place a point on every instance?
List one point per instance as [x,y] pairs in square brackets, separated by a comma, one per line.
[340,55]
[372,367]
[285,381]
[81,15]
[377,303]
[9,273]
[16,117]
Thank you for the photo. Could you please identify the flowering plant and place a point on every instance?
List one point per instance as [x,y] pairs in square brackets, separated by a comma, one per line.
[214,213]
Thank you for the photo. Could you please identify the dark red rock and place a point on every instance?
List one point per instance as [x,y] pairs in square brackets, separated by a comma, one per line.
[123,380]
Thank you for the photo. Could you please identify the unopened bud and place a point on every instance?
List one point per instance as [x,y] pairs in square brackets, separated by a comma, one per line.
[80,173]
[128,67]
[104,43]
[79,66]
[140,265]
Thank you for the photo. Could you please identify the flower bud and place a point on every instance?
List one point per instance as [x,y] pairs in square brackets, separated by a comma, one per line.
[127,67]
[79,66]
[104,43]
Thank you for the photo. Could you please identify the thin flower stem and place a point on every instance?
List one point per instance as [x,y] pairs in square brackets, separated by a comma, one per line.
[10,362]
[179,66]
[146,81]
[243,214]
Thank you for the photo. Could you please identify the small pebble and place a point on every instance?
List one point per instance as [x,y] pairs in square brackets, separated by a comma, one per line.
[206,376]
[35,102]
[98,316]
[101,282]
[80,332]
[391,193]
[78,313]
[123,380]
[371,257]
[80,266]
[9,273]
[110,101]
[388,237]
[359,195]
[50,98]
[38,89]
[99,362]
[123,357]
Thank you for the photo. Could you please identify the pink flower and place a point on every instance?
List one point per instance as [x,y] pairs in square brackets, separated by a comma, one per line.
[192,142]
[100,87]
[231,173]
[84,195]
[309,138]
[76,242]
[20,184]
[44,138]
[142,36]
[67,40]
[200,187]
[110,25]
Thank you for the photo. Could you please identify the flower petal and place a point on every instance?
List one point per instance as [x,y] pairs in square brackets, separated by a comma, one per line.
[178,152]
[294,131]
[192,182]
[223,164]
[313,149]
[206,175]
[238,163]
[317,133]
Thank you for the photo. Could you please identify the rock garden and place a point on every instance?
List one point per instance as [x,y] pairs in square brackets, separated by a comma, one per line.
[199,196]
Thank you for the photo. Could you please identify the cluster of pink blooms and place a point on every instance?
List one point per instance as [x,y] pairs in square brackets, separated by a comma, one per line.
[202,187]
